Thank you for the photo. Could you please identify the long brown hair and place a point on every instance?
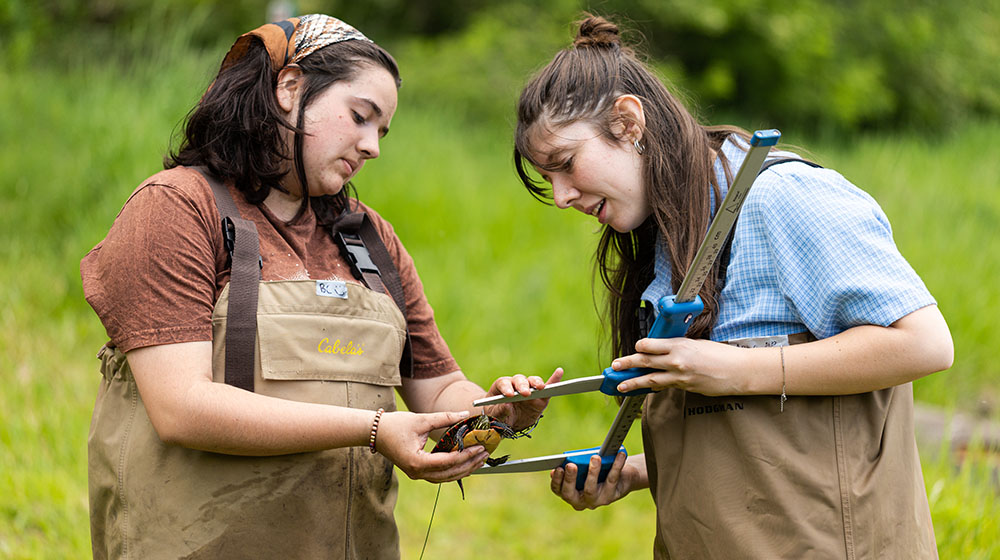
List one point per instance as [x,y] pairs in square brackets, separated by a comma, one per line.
[236,128]
[581,83]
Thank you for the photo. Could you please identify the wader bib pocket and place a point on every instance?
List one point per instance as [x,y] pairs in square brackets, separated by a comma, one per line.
[357,339]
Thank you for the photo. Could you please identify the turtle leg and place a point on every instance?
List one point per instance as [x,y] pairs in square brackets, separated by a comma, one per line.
[491,461]
[462,488]
[460,436]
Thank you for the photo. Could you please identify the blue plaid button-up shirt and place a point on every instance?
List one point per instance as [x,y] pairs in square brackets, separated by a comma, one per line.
[811,252]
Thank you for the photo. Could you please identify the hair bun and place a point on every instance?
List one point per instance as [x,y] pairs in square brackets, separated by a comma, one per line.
[596,31]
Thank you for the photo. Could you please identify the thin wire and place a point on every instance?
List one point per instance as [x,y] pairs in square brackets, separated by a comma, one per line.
[430,522]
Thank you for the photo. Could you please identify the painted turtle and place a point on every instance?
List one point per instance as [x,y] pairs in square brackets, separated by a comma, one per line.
[479,430]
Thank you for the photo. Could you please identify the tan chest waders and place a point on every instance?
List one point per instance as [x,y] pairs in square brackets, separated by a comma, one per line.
[326,342]
[829,477]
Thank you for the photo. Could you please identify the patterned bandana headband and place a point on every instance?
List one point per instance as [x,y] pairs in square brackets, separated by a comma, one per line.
[293,39]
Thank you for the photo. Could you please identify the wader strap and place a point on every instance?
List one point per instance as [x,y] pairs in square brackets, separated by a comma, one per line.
[724,256]
[371,263]
[243,246]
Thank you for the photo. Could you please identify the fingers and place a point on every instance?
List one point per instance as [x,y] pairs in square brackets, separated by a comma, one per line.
[655,381]
[520,384]
[460,465]
[523,385]
[650,352]
[564,485]
[445,467]
[594,494]
[614,475]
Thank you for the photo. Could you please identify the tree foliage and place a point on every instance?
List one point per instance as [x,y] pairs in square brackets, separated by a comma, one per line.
[846,65]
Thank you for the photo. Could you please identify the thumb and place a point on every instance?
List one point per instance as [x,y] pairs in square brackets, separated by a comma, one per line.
[556,376]
[445,419]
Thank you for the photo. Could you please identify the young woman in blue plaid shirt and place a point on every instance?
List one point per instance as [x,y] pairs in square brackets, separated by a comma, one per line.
[816,305]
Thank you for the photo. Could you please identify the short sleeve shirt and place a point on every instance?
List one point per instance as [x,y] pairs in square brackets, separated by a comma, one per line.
[811,251]
[156,276]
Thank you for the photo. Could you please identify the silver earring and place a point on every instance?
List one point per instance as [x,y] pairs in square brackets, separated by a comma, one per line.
[638,147]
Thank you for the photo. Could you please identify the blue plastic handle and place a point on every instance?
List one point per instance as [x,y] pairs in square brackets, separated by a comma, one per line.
[581,458]
[765,137]
[672,322]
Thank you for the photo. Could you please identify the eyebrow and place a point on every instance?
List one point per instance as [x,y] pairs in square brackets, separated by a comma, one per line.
[378,112]
[374,106]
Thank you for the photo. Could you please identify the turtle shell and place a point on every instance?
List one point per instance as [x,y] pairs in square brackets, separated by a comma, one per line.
[482,430]
[476,430]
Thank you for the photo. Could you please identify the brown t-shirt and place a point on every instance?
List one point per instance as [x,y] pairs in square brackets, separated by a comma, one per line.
[156,276]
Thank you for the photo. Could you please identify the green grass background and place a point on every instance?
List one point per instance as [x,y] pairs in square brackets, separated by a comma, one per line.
[509,278]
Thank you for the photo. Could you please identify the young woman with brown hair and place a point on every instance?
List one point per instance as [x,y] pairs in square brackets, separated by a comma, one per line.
[247,407]
[814,304]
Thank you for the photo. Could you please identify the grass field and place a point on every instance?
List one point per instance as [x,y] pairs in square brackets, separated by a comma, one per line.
[509,279]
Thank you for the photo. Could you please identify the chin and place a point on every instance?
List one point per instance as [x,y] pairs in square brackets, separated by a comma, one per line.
[327,189]
[624,228]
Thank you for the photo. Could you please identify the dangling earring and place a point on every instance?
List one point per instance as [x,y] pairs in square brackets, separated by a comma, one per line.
[638,147]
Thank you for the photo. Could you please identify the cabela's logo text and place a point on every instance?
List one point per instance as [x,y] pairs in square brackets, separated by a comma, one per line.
[350,349]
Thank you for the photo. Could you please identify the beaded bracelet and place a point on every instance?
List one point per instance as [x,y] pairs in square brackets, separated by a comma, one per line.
[371,439]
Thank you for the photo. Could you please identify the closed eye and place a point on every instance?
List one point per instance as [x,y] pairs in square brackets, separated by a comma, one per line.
[565,166]
[358,119]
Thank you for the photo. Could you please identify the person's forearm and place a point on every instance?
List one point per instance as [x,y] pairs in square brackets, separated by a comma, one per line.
[187,408]
[641,479]
[449,392]
[858,360]
[223,419]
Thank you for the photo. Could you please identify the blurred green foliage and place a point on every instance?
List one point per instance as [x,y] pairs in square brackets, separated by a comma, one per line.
[823,66]
[91,90]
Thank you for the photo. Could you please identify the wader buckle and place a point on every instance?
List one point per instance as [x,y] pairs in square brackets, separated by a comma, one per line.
[358,257]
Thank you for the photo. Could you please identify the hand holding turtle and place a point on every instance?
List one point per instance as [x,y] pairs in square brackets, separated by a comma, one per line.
[523,414]
[401,438]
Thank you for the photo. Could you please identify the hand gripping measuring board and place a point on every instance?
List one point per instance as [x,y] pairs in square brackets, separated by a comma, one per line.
[675,314]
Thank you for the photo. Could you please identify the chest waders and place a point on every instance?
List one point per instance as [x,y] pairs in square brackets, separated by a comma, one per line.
[829,477]
[337,343]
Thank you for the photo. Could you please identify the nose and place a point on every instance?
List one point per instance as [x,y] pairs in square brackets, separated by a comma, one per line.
[563,193]
[368,144]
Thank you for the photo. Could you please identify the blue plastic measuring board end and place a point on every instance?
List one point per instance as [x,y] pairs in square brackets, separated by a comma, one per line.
[672,322]
[614,378]
[765,137]
[675,318]
[581,458]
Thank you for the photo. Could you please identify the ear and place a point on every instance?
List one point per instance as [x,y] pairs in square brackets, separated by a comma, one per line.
[289,87]
[628,108]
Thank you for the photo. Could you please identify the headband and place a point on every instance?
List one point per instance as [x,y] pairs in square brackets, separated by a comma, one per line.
[289,41]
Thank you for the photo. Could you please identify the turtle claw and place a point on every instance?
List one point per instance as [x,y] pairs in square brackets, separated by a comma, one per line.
[494,461]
